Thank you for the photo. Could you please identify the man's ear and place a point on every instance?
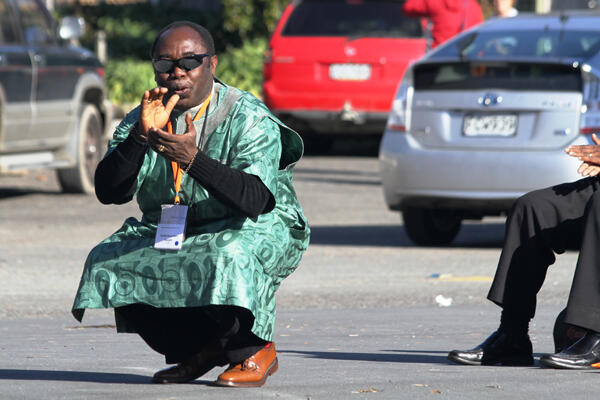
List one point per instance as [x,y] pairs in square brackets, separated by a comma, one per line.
[213,64]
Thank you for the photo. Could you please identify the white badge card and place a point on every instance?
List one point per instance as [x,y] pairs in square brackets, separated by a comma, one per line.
[171,228]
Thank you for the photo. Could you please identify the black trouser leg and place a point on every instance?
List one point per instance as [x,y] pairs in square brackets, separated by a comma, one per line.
[541,223]
[179,333]
[583,308]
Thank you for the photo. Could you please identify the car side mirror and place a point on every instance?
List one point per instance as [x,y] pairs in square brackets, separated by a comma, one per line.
[71,28]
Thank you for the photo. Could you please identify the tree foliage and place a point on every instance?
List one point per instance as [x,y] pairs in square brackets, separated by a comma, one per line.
[240,28]
[243,19]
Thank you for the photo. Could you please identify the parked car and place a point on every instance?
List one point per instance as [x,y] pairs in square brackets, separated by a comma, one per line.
[332,66]
[486,117]
[54,111]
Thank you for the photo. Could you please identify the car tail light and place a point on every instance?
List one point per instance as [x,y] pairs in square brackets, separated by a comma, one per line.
[100,72]
[399,118]
[590,104]
[267,64]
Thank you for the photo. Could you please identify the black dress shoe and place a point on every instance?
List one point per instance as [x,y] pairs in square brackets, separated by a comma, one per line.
[498,348]
[188,370]
[580,355]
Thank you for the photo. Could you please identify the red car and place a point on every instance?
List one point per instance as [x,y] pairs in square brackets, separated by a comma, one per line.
[333,66]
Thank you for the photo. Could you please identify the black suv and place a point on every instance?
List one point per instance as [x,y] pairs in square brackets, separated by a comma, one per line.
[54,110]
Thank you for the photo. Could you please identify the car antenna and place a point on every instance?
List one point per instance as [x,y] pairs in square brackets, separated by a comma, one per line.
[563,17]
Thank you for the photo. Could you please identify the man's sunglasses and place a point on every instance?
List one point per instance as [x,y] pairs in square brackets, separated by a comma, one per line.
[187,63]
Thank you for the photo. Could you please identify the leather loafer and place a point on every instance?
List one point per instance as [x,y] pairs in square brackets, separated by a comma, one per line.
[253,371]
[188,370]
[498,348]
[580,355]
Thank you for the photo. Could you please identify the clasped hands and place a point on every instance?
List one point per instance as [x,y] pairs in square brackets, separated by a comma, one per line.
[589,154]
[154,116]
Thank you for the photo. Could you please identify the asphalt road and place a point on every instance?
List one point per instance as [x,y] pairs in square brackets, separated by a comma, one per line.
[358,319]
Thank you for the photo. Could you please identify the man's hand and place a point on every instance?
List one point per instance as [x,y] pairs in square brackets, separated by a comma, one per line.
[180,148]
[589,154]
[153,113]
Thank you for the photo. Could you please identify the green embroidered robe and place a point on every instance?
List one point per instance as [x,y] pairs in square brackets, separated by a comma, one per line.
[226,258]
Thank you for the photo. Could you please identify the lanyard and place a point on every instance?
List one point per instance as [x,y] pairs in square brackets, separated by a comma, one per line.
[177,170]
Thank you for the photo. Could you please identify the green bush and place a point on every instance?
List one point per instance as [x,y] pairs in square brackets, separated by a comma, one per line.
[242,67]
[130,28]
[240,29]
[128,79]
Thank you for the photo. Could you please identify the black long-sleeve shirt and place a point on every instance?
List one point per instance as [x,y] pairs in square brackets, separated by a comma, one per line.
[116,179]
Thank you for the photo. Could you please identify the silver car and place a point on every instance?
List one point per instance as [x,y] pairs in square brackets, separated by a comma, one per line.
[485,118]
[54,110]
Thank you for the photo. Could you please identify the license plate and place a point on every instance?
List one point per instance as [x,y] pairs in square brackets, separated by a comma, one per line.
[490,125]
[350,72]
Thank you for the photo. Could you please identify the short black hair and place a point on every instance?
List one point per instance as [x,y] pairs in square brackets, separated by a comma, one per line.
[207,38]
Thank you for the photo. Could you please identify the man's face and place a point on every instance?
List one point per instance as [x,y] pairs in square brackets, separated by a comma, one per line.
[192,86]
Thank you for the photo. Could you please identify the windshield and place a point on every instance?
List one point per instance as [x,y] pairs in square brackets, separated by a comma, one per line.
[354,18]
[526,43]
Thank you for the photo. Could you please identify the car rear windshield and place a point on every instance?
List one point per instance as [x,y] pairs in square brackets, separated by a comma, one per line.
[354,18]
[525,43]
[501,75]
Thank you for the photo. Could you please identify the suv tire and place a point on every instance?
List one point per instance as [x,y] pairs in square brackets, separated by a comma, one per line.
[90,148]
[431,227]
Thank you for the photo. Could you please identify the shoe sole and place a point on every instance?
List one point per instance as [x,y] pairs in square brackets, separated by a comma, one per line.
[507,362]
[462,361]
[558,365]
[270,371]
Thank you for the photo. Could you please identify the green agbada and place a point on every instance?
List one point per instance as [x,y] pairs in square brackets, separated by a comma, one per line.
[226,258]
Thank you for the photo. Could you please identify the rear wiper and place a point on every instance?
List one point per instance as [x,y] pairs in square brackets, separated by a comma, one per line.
[464,43]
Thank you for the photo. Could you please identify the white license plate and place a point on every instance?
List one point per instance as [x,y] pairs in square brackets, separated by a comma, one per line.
[490,125]
[350,72]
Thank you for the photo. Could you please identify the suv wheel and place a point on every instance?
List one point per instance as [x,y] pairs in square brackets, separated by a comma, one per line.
[90,148]
[431,227]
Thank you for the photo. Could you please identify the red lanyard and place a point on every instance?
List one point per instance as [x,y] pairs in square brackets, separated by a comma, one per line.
[177,170]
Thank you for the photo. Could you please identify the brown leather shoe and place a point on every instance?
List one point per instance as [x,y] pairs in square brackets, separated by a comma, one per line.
[253,371]
[188,370]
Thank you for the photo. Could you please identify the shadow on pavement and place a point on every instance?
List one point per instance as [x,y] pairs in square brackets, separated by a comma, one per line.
[475,235]
[6,193]
[341,146]
[399,356]
[421,357]
[72,376]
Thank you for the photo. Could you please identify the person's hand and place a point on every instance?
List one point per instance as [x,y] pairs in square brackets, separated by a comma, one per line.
[154,114]
[589,154]
[586,169]
[180,148]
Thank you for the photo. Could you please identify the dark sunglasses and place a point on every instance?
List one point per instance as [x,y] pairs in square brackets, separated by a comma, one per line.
[187,63]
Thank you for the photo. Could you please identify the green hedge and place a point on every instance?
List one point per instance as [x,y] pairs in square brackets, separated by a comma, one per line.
[241,67]
[127,80]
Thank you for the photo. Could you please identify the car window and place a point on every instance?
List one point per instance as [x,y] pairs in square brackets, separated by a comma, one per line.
[497,74]
[355,18]
[7,31]
[37,27]
[527,43]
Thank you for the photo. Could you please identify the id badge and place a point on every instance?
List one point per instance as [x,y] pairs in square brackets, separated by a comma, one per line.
[171,228]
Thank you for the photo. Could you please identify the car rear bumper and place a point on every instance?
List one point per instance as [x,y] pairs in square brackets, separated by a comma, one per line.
[344,122]
[479,181]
